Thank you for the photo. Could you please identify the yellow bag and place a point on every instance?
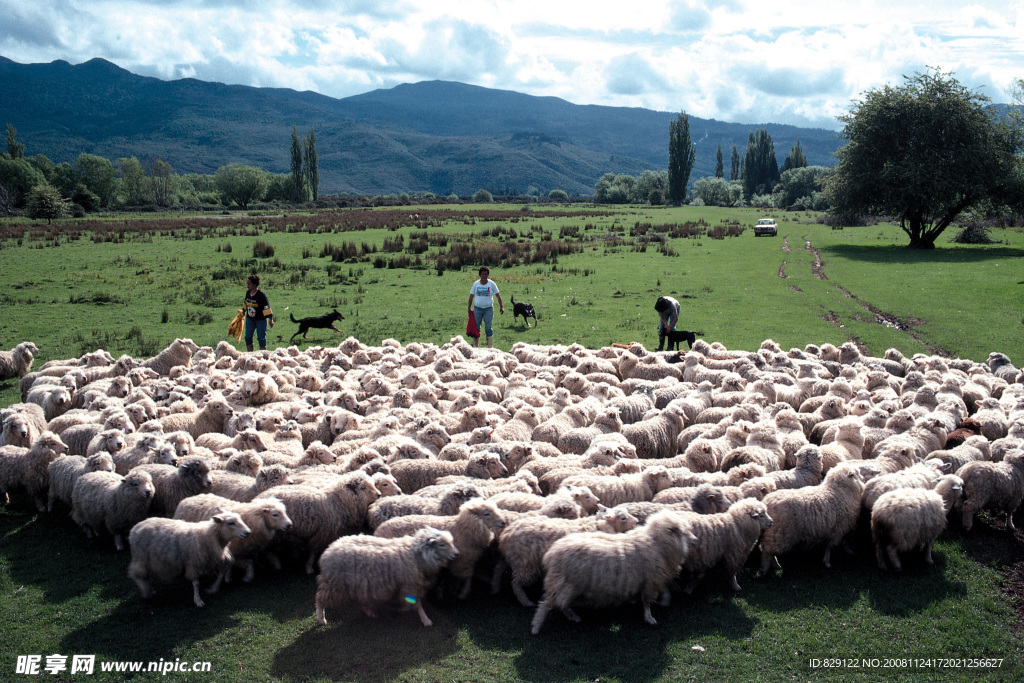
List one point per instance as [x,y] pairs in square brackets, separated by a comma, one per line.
[237,325]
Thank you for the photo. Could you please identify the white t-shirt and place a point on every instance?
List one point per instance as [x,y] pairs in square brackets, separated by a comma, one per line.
[483,294]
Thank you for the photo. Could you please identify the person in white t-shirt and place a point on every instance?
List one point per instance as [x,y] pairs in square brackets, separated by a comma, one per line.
[481,305]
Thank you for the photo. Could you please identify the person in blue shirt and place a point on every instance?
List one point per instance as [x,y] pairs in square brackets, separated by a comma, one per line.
[257,313]
[481,304]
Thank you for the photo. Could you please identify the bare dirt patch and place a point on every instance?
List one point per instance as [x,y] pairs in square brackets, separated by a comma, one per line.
[796,289]
[785,244]
[818,267]
[831,318]
[782,271]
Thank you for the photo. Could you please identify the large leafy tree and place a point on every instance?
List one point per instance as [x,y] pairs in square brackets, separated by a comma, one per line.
[98,176]
[681,156]
[922,152]
[44,201]
[241,184]
[15,149]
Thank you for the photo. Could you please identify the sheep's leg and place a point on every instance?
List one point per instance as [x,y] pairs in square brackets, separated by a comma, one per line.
[217,582]
[499,571]
[1009,520]
[967,520]
[311,562]
[648,617]
[734,584]
[517,588]
[928,553]
[894,560]
[571,615]
[541,614]
[769,561]
[880,556]
[119,541]
[250,571]
[693,583]
[274,561]
[464,593]
[424,619]
[828,555]
[138,575]
[195,594]
[321,618]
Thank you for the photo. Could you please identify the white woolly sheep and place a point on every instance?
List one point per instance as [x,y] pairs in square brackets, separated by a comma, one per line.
[210,419]
[998,485]
[579,440]
[53,399]
[178,353]
[22,424]
[808,470]
[612,490]
[264,518]
[241,488]
[106,500]
[18,361]
[369,571]
[655,435]
[923,474]
[727,538]
[173,484]
[473,529]
[170,548]
[78,437]
[607,569]
[65,471]
[813,515]
[28,468]
[109,440]
[903,519]
[321,515]
[413,475]
[524,542]
[406,504]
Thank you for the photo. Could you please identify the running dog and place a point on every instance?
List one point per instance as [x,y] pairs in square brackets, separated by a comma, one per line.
[676,336]
[305,324]
[525,310]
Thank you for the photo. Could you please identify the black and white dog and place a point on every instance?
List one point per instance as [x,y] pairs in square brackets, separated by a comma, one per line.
[525,310]
[305,324]
[676,336]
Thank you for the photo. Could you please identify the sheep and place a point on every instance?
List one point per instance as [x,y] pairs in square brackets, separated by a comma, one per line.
[923,474]
[53,399]
[704,499]
[808,470]
[65,471]
[18,361]
[413,475]
[524,542]
[579,440]
[263,517]
[727,537]
[178,353]
[997,485]
[974,448]
[655,436]
[321,515]
[28,468]
[210,419]
[613,490]
[405,504]
[241,488]
[706,453]
[149,448]
[906,518]
[1000,366]
[369,570]
[812,515]
[472,529]
[22,424]
[605,569]
[175,483]
[78,437]
[248,463]
[994,424]
[761,448]
[106,500]
[109,440]
[847,445]
[170,548]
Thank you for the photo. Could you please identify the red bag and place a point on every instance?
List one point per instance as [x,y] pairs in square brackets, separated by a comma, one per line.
[471,328]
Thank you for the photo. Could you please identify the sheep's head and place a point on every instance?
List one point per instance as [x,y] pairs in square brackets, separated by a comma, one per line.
[196,469]
[139,483]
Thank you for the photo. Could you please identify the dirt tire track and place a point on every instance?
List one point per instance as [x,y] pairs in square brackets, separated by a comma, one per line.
[782,271]
[818,267]
[889,320]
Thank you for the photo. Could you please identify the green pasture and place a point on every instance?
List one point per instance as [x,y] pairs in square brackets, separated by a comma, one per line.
[63,594]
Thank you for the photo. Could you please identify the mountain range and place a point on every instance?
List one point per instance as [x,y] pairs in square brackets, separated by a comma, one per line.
[436,136]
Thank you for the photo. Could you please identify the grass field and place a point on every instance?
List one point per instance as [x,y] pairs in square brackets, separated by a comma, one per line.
[133,285]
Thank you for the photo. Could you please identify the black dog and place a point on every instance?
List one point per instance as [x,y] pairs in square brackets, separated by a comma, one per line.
[676,336]
[305,324]
[525,310]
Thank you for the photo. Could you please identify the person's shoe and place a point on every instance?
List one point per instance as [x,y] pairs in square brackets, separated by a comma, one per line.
[490,342]
[248,347]
[476,341]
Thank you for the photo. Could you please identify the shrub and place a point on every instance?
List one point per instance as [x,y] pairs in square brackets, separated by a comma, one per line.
[482,196]
[262,250]
[558,196]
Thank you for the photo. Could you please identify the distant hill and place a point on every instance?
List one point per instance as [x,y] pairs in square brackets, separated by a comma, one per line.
[433,136]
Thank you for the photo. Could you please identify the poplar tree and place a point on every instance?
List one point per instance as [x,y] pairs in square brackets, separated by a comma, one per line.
[734,169]
[796,158]
[312,165]
[681,156]
[719,163]
[297,178]
[760,169]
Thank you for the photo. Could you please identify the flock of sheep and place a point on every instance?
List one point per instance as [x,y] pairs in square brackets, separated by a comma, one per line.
[609,475]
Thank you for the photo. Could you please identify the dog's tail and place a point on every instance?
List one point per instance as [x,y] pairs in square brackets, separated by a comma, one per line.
[513,299]
[699,334]
[293,318]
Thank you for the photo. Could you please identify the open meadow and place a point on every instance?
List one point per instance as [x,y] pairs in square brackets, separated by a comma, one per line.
[132,284]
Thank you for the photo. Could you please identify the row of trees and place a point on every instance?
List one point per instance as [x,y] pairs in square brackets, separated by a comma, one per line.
[92,182]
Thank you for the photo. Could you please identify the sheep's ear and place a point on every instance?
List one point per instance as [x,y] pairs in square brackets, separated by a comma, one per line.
[601,508]
[219,518]
[945,467]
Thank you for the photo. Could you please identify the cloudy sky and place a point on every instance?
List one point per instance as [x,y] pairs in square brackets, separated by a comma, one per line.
[746,61]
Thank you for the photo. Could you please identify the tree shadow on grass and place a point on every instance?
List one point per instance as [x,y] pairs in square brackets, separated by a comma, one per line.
[901,254]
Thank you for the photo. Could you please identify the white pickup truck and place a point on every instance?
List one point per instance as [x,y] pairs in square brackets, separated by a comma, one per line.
[766,226]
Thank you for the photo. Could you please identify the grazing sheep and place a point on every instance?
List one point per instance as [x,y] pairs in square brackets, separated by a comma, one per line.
[405,504]
[28,468]
[998,363]
[170,548]
[998,485]
[65,471]
[524,542]
[241,488]
[369,571]
[413,475]
[906,518]
[812,515]
[321,515]
[173,484]
[923,474]
[106,500]
[210,419]
[607,569]
[18,361]
[264,518]
[472,529]
[727,538]
[612,490]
